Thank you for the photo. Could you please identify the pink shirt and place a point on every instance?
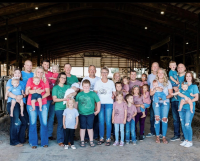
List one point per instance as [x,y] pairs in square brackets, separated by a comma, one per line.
[41,84]
[146,100]
[142,83]
[130,111]
[138,100]
[131,84]
[54,75]
[47,75]
[119,112]
[126,88]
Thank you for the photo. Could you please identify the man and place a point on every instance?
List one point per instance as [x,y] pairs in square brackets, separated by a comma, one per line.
[70,78]
[133,81]
[92,78]
[174,105]
[50,104]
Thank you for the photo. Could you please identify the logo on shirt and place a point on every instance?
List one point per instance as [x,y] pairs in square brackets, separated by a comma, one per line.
[128,116]
[69,116]
[102,91]
[116,112]
[85,101]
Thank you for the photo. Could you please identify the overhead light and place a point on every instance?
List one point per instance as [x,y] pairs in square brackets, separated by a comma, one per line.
[167,49]
[147,57]
[162,12]
[40,55]
[36,8]
[23,46]
[33,51]
[145,28]
[187,43]
[49,24]
[5,38]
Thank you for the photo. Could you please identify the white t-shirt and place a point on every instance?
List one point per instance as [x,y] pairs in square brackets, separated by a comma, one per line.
[104,91]
[92,81]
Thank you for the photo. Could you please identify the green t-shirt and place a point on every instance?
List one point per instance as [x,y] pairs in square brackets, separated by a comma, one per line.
[86,102]
[72,79]
[60,93]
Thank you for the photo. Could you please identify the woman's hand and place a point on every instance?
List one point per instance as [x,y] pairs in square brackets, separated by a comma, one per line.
[124,122]
[142,106]
[39,90]
[75,127]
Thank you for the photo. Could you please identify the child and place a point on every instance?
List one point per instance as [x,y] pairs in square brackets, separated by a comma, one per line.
[185,96]
[146,99]
[125,88]
[119,115]
[85,101]
[16,90]
[158,94]
[130,121]
[74,88]
[118,86]
[144,81]
[35,96]
[70,123]
[55,71]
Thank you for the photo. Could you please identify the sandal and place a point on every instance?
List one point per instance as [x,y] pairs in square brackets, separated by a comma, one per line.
[100,142]
[157,139]
[165,140]
[108,143]
[61,144]
[92,144]
[45,146]
[34,147]
[82,144]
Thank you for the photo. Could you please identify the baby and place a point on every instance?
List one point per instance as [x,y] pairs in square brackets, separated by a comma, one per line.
[125,87]
[35,96]
[55,71]
[16,90]
[185,96]
[74,88]
[158,94]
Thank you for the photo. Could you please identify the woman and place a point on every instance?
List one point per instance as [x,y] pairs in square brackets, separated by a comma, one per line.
[116,77]
[185,115]
[45,92]
[16,138]
[58,94]
[104,89]
[161,112]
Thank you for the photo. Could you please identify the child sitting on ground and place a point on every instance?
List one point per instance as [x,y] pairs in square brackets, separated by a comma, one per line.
[144,81]
[125,88]
[158,94]
[55,71]
[146,99]
[35,96]
[16,89]
[119,115]
[185,96]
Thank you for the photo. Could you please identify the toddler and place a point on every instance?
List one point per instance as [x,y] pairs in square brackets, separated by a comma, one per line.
[35,96]
[119,115]
[185,96]
[158,94]
[144,81]
[55,71]
[146,99]
[130,121]
[16,89]
[125,88]
[70,123]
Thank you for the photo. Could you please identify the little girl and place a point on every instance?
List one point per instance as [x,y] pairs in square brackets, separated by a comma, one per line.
[130,121]
[146,99]
[144,81]
[70,123]
[55,70]
[119,115]
[125,85]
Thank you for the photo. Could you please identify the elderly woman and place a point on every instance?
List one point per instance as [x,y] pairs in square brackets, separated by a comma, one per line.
[16,138]
[44,90]
[104,89]
[161,112]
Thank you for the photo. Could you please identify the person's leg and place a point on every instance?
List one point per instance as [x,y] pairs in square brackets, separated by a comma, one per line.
[164,117]
[60,133]
[128,131]
[191,105]
[142,124]
[13,102]
[188,122]
[122,132]
[83,125]
[116,132]
[40,103]
[101,121]
[22,107]
[132,129]
[137,117]
[152,120]
[181,104]
[71,136]
[33,104]
[27,119]
[182,115]
[33,137]
[157,119]
[50,120]
[108,118]
[90,122]
[96,127]
[66,136]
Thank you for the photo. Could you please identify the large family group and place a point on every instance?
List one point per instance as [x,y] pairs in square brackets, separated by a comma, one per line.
[119,103]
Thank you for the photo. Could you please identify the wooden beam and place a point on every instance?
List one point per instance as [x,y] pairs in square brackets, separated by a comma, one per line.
[28,40]
[184,46]
[161,43]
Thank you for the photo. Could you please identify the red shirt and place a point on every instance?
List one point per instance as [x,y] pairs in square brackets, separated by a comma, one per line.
[33,86]
[55,75]
[42,85]
[47,75]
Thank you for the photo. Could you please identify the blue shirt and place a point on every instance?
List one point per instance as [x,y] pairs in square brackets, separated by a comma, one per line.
[173,74]
[70,117]
[26,76]
[150,79]
[186,93]
[21,83]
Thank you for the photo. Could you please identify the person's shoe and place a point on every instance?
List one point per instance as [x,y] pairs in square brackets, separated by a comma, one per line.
[141,138]
[164,103]
[134,142]
[157,105]
[183,143]
[116,143]
[150,135]
[161,136]
[144,137]
[52,138]
[66,147]
[73,147]
[19,145]
[127,142]
[188,144]
[175,138]
[121,143]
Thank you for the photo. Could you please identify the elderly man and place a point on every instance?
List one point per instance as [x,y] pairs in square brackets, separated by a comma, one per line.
[93,79]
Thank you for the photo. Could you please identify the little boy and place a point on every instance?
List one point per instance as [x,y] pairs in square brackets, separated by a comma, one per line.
[85,102]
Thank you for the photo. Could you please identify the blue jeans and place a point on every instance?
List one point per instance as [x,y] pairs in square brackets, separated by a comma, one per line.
[176,118]
[152,120]
[33,137]
[17,130]
[51,114]
[186,120]
[117,132]
[161,111]
[105,115]
[130,127]
[145,106]
[60,130]
[158,95]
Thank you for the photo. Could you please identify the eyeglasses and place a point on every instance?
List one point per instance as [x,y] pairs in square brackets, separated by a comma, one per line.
[104,72]
[62,78]
[143,77]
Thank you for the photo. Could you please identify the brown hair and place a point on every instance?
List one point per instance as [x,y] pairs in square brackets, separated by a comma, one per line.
[132,91]
[125,77]
[127,96]
[132,70]
[86,81]
[146,86]
[145,75]
[14,72]
[119,93]
[189,72]
[118,83]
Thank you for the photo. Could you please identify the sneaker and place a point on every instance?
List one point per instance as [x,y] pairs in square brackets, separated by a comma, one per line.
[134,142]
[150,135]
[66,147]
[116,143]
[175,138]
[73,147]
[183,143]
[188,144]
[164,103]
[121,143]
[127,142]
[141,138]
[157,105]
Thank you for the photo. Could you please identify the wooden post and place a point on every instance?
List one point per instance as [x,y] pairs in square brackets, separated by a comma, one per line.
[38,57]
[184,45]
[197,65]
[7,48]
[173,54]
[17,47]
[150,52]
[20,48]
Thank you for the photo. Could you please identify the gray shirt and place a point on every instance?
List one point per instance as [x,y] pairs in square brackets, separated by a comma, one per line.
[70,117]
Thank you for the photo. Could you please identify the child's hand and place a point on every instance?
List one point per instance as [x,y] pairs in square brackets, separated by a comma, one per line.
[142,106]
[124,122]
[75,127]
[113,97]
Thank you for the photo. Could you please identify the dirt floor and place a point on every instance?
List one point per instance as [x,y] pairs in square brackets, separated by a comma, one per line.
[144,150]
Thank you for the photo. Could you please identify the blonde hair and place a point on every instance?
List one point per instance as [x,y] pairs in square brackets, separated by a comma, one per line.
[113,78]
[171,62]
[70,99]
[14,80]
[43,76]
[56,67]
[165,83]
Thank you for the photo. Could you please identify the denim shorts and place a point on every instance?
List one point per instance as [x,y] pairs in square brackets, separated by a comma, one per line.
[86,121]
[35,96]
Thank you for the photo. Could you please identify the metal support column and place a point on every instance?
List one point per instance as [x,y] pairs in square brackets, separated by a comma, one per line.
[7,48]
